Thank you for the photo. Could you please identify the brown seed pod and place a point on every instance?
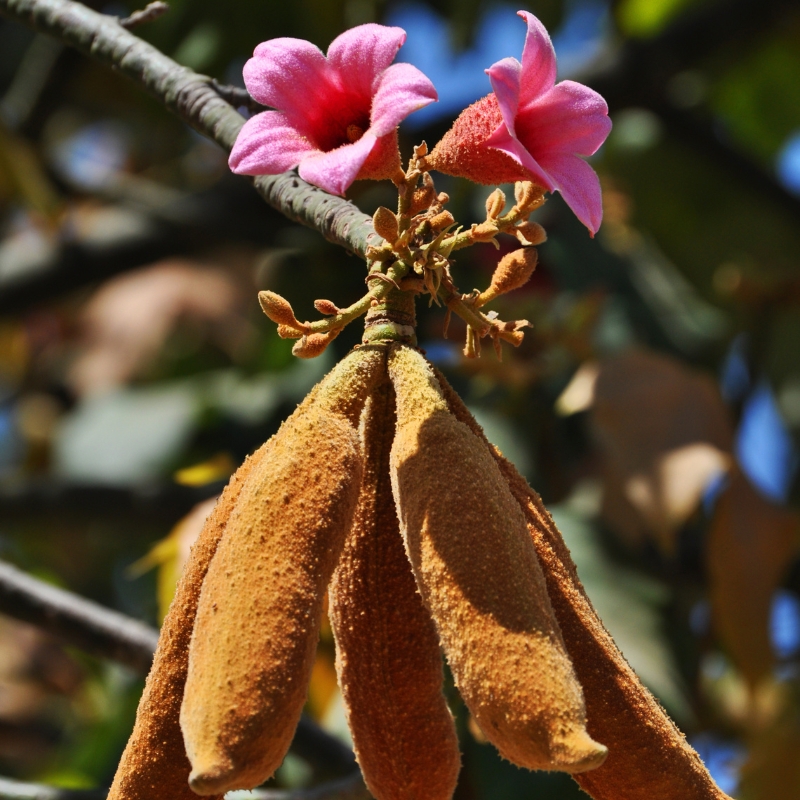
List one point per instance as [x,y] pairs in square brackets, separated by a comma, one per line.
[478,574]
[649,758]
[154,764]
[387,651]
[259,611]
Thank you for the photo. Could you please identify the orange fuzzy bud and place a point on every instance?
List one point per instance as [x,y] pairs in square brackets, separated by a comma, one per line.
[326,307]
[478,574]
[279,310]
[649,758]
[422,199]
[312,345]
[388,658]
[530,233]
[259,612]
[495,203]
[442,220]
[289,332]
[513,271]
[385,223]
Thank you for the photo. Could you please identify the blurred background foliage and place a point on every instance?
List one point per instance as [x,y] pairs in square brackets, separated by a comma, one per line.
[655,404]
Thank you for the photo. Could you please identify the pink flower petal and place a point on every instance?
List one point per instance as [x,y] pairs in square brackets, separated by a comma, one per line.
[360,55]
[268,144]
[401,90]
[579,186]
[570,118]
[505,77]
[502,140]
[336,170]
[288,74]
[538,60]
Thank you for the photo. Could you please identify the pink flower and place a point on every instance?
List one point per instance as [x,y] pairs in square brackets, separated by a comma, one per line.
[337,116]
[531,129]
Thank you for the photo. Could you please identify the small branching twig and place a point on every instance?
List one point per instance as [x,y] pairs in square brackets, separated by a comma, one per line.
[149,13]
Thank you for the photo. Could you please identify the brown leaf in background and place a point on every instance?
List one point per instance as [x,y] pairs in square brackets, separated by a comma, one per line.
[750,546]
[772,770]
[129,318]
[664,432]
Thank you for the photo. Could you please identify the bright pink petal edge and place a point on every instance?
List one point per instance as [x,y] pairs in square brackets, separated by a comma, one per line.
[402,89]
[538,60]
[579,186]
[336,170]
[268,144]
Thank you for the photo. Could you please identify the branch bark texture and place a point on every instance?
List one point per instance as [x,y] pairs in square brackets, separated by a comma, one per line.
[75,620]
[193,98]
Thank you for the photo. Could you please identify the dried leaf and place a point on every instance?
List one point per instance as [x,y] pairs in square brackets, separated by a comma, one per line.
[751,544]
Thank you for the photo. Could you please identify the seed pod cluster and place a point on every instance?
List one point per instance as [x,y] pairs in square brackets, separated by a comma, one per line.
[383,484]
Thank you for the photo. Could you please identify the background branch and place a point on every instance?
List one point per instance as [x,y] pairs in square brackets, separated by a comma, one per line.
[109,634]
[76,621]
[194,99]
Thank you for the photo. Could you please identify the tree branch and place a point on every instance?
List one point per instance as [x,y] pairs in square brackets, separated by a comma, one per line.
[76,621]
[193,99]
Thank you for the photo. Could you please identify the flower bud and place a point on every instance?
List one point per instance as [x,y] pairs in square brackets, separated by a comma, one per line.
[312,345]
[326,307]
[442,220]
[495,203]
[513,271]
[422,199]
[279,310]
[385,223]
[530,233]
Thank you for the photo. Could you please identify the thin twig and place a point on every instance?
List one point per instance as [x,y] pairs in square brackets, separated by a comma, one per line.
[193,98]
[351,788]
[77,621]
[150,12]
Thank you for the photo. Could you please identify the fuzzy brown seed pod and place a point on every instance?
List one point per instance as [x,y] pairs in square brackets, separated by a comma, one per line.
[513,270]
[387,650]
[259,611]
[649,758]
[154,764]
[385,223]
[479,576]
